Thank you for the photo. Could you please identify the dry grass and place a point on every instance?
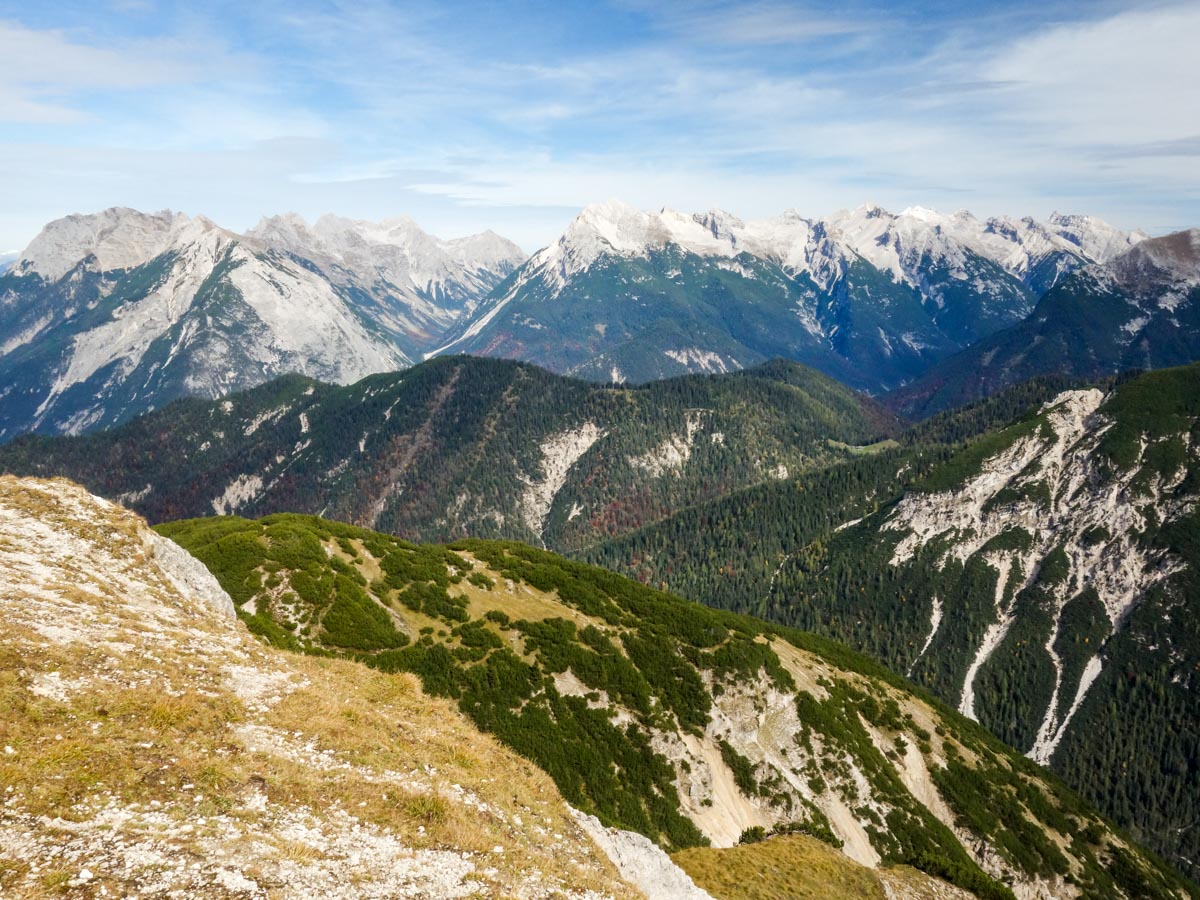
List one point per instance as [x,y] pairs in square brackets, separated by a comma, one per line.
[524,602]
[791,867]
[108,711]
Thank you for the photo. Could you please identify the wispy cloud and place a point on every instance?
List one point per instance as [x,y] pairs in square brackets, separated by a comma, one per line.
[43,71]
[1130,78]
[756,23]
[509,115]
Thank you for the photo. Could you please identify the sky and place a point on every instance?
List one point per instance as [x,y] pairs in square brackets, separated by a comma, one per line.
[512,116]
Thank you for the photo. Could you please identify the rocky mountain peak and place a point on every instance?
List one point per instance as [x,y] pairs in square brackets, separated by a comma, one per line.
[117,238]
[720,224]
[1095,238]
[1170,258]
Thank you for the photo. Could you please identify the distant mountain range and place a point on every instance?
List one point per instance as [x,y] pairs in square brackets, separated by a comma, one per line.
[1139,311]
[109,315]
[871,298]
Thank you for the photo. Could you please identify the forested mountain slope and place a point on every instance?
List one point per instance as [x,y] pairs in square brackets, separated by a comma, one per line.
[687,724]
[726,551]
[1043,580]
[469,447]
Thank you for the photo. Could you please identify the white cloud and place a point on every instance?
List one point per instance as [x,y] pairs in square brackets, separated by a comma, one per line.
[400,113]
[1131,78]
[46,74]
[751,23]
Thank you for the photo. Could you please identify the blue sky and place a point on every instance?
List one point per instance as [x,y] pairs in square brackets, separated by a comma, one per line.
[511,116]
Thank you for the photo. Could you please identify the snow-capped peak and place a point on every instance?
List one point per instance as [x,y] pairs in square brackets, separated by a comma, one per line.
[721,224]
[903,245]
[616,228]
[924,214]
[395,251]
[1095,238]
[486,250]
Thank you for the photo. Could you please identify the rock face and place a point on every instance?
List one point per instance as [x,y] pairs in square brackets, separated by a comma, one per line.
[108,315]
[189,576]
[438,281]
[642,862]
[149,745]
[869,297]
[1044,582]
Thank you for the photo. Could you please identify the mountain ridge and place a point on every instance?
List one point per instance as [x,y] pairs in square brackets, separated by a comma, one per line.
[462,446]
[151,746]
[1037,574]
[869,297]
[112,314]
[1141,310]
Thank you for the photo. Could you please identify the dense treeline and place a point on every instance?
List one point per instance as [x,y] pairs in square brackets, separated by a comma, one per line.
[727,552]
[451,448]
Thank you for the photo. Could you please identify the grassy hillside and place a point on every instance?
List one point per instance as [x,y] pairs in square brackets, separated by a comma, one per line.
[690,725]
[799,867]
[150,747]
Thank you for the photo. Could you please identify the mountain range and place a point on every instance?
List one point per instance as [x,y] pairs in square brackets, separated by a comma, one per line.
[1139,311]
[926,438]
[214,765]
[1041,578]
[109,315]
[777,492]
[871,298]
